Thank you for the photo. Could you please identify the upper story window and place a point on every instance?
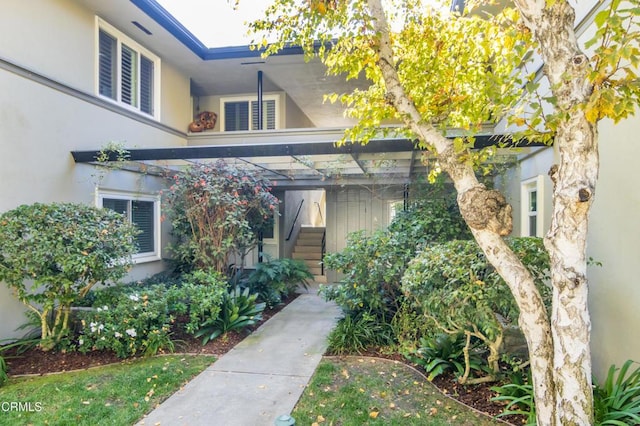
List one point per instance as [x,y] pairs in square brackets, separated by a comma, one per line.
[144,213]
[532,202]
[127,73]
[242,113]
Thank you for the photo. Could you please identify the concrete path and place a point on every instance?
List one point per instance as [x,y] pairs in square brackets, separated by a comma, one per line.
[261,378]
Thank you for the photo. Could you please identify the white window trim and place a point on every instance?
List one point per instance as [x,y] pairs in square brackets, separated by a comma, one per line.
[122,38]
[249,98]
[137,258]
[526,187]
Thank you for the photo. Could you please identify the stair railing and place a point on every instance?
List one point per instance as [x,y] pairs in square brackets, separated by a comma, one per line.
[324,249]
[293,225]
[320,212]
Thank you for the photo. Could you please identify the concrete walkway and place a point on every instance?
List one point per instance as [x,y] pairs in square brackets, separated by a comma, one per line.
[261,378]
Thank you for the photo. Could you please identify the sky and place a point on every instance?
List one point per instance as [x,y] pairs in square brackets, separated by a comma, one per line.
[215,22]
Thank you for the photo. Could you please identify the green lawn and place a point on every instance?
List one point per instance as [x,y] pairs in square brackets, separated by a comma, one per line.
[360,391]
[113,395]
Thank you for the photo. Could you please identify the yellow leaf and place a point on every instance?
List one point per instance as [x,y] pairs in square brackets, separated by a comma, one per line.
[374,414]
[345,373]
[320,419]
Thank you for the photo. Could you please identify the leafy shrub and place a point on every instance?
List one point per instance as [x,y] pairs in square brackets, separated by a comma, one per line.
[519,400]
[617,400]
[238,310]
[3,371]
[52,254]
[138,322]
[356,334]
[444,353]
[374,265]
[460,292]
[278,278]
[199,297]
[217,209]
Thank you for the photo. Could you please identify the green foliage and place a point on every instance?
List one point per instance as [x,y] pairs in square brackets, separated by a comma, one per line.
[374,265]
[3,371]
[52,254]
[277,278]
[458,291]
[442,353]
[217,209]
[519,400]
[472,60]
[199,297]
[617,400]
[238,310]
[138,318]
[615,61]
[356,334]
[136,323]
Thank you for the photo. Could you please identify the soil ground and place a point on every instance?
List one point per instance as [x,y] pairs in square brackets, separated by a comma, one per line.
[37,362]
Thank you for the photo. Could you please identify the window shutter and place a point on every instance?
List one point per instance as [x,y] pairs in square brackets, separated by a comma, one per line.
[118,205]
[146,85]
[107,65]
[268,115]
[142,215]
[236,116]
[129,75]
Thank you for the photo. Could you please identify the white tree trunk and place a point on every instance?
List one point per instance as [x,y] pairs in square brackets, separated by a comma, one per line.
[559,352]
[574,179]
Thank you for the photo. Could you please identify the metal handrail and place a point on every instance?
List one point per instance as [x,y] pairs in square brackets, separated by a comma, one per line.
[320,212]
[293,225]
[324,250]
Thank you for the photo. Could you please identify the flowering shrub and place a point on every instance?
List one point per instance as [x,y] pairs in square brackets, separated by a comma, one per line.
[137,323]
[217,209]
[52,254]
[134,319]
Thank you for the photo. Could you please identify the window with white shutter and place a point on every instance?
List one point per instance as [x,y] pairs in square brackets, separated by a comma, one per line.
[144,213]
[242,113]
[127,73]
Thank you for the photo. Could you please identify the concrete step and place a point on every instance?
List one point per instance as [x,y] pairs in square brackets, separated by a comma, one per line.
[320,279]
[307,240]
[307,256]
[307,249]
[312,230]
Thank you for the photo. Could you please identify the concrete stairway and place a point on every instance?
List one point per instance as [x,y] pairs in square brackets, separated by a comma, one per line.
[309,248]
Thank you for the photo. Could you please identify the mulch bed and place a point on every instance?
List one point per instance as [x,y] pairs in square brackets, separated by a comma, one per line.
[37,362]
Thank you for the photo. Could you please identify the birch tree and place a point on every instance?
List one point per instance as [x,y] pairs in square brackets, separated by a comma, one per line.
[434,71]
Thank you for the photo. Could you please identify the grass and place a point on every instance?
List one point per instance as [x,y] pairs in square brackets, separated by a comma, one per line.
[112,395]
[357,391]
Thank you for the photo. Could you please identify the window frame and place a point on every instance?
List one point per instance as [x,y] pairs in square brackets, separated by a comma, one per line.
[143,257]
[120,40]
[249,99]
[527,187]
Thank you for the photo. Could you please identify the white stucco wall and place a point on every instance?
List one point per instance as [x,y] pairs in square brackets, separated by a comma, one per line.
[614,240]
[40,125]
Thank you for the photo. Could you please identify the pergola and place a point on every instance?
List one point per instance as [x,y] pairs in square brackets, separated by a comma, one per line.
[293,160]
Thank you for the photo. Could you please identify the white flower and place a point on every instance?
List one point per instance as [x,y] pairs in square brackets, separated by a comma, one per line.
[118,335]
[80,342]
[93,327]
[134,297]
[131,332]
[102,338]
[101,327]
[99,309]
[105,308]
